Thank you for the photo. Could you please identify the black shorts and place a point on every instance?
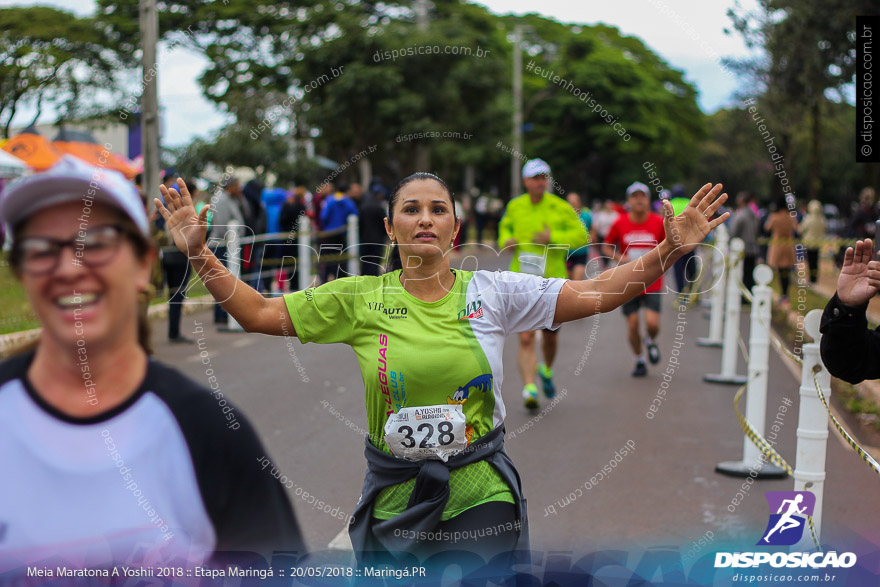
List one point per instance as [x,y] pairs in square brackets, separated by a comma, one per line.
[576,259]
[650,301]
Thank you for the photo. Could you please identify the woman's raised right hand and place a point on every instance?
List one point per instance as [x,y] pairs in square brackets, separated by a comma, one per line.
[188,229]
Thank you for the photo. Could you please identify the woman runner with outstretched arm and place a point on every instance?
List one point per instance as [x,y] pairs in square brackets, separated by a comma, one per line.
[429,342]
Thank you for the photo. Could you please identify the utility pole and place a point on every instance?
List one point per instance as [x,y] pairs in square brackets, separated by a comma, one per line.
[149,22]
[515,163]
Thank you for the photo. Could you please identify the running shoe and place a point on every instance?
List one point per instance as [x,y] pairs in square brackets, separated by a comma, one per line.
[546,375]
[530,395]
[653,353]
[641,369]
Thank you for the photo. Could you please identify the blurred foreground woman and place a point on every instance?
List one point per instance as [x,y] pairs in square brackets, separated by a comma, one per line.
[107,455]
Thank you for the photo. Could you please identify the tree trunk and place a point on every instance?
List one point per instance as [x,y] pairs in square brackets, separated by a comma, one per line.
[9,120]
[778,189]
[423,158]
[469,178]
[815,137]
[365,170]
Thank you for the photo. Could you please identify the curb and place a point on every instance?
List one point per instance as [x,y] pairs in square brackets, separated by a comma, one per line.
[15,342]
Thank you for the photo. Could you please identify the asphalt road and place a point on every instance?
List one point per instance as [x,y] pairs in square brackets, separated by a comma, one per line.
[306,403]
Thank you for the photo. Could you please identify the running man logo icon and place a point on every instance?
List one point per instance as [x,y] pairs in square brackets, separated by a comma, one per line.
[786,526]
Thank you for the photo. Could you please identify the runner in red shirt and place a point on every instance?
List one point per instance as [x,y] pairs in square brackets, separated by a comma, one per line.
[631,236]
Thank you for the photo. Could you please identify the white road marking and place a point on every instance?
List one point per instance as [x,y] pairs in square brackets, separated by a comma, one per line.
[342,541]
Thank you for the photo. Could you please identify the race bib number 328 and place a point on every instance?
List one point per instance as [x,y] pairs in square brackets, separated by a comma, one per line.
[426,432]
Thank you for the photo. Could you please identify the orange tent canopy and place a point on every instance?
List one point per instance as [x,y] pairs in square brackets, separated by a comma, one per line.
[33,149]
[40,154]
[96,155]
[82,145]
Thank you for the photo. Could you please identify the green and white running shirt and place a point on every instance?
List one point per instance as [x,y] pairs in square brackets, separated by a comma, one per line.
[414,353]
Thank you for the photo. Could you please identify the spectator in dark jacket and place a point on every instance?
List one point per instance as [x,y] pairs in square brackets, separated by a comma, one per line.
[256,221]
[849,349]
[372,234]
[177,273]
[744,225]
[291,211]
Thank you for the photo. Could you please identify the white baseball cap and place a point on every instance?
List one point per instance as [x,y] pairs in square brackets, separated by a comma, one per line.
[638,186]
[71,180]
[535,167]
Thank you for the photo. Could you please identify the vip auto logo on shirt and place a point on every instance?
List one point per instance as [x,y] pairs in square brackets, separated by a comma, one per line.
[393,313]
[790,512]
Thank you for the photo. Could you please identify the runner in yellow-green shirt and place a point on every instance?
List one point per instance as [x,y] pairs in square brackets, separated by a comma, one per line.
[429,341]
[540,229]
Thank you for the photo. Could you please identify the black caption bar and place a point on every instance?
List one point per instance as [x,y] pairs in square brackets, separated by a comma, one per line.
[867,113]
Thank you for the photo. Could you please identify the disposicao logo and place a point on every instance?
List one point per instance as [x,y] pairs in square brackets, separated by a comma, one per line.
[789,515]
[786,526]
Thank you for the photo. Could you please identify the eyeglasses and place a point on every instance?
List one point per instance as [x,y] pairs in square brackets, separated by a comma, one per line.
[39,255]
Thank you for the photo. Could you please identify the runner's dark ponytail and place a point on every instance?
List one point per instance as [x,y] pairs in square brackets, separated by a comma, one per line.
[394,261]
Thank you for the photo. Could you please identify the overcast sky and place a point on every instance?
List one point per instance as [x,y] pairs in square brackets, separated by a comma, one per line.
[686,33]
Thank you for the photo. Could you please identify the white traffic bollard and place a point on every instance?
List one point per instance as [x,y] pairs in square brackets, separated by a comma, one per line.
[707,260]
[730,349]
[233,256]
[812,431]
[756,392]
[353,248]
[716,312]
[304,253]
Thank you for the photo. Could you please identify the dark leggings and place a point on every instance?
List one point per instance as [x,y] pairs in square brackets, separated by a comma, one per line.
[813,261]
[177,276]
[784,278]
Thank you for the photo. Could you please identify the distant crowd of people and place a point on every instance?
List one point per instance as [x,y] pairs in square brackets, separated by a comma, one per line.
[250,210]
[780,235]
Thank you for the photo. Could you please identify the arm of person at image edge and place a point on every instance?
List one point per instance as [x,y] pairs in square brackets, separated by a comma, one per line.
[616,286]
[850,350]
[567,228]
[249,308]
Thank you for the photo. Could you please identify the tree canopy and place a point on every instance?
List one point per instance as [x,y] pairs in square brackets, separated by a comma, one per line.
[50,56]
[273,63]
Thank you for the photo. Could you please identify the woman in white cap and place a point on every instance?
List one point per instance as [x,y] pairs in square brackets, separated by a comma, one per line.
[107,455]
[429,341]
